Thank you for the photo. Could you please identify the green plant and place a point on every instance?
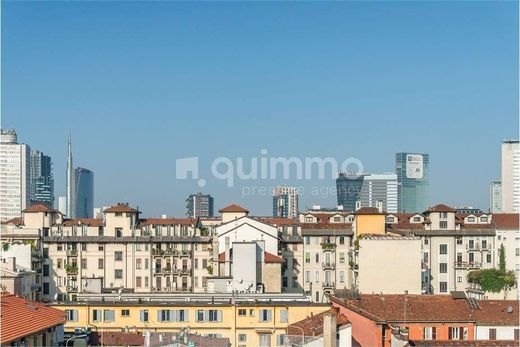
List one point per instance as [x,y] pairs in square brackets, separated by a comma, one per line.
[502,258]
[492,280]
[5,247]
[328,245]
[210,269]
[70,268]
[356,244]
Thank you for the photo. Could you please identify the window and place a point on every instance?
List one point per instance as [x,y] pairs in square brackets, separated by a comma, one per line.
[109,315]
[459,240]
[118,256]
[517,252]
[307,257]
[307,276]
[100,230]
[242,337]
[71,315]
[429,333]
[46,288]
[138,282]
[342,240]
[484,244]
[517,334]
[125,313]
[426,241]
[138,263]
[59,265]
[443,224]
[444,215]
[337,219]
[483,219]
[471,244]
[317,276]
[83,263]
[264,340]
[443,248]
[284,316]
[416,219]
[284,282]
[209,315]
[96,315]
[342,276]
[242,312]
[459,279]
[281,339]
[488,258]
[164,315]
[492,334]
[443,268]
[308,219]
[251,312]
[143,315]
[180,315]
[118,274]
[341,257]
[101,247]
[60,247]
[264,315]
[45,270]
[83,246]
[119,232]
[443,287]
[100,263]
[390,219]
[317,257]
[471,219]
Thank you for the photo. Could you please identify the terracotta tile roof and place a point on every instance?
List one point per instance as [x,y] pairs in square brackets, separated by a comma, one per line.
[462,343]
[120,208]
[404,226]
[167,221]
[170,339]
[332,226]
[116,338]
[91,222]
[367,211]
[14,221]
[313,325]
[38,208]
[21,317]
[278,220]
[440,208]
[233,208]
[426,308]
[477,226]
[268,257]
[506,220]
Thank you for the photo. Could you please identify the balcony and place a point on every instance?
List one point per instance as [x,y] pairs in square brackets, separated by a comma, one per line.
[185,253]
[72,289]
[72,252]
[157,252]
[328,265]
[327,284]
[71,269]
[328,247]
[467,265]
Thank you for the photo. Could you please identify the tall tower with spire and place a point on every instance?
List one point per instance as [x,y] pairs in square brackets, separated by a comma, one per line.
[71,208]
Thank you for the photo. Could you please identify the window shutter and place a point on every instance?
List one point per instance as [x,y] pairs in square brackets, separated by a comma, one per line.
[159,318]
[450,335]
[284,316]
[461,333]
[219,316]
[74,315]
[269,315]
[206,315]
[434,333]
[424,333]
[141,315]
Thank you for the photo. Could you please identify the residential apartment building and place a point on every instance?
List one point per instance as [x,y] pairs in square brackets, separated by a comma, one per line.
[199,205]
[510,180]
[285,202]
[413,181]
[15,175]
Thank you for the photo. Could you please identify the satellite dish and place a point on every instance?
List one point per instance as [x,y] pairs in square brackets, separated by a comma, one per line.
[510,309]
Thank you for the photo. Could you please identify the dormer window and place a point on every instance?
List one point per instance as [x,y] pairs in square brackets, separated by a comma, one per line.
[337,219]
[417,219]
[390,219]
[309,219]
[484,219]
[471,219]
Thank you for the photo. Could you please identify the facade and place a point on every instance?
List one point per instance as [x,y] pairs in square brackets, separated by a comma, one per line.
[17,280]
[244,322]
[42,180]
[413,181]
[70,183]
[508,235]
[199,205]
[380,188]
[495,197]
[29,323]
[349,186]
[15,177]
[285,202]
[510,176]
[84,193]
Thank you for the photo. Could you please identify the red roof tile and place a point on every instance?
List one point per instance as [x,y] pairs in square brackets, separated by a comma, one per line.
[462,343]
[91,222]
[367,211]
[506,220]
[14,221]
[278,220]
[233,208]
[313,325]
[441,208]
[38,208]
[120,208]
[332,226]
[167,221]
[116,338]
[21,317]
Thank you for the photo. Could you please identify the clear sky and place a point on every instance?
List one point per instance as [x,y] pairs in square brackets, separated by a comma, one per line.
[141,84]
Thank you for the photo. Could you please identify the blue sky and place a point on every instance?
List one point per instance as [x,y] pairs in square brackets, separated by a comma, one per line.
[143,83]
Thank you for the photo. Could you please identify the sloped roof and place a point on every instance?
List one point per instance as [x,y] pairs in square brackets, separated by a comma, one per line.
[313,325]
[21,317]
[116,338]
[14,221]
[38,208]
[368,211]
[119,208]
[506,220]
[92,222]
[233,208]
[441,208]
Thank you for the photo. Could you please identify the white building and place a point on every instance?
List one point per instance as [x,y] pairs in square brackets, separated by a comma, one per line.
[285,202]
[14,175]
[510,176]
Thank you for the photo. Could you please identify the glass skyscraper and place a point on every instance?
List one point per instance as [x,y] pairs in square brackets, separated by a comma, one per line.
[348,188]
[84,192]
[367,189]
[42,180]
[413,181]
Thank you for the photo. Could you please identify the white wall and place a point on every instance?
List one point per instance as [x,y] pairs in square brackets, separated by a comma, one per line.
[503,332]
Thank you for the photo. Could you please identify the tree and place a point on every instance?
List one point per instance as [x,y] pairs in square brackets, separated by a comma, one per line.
[502,258]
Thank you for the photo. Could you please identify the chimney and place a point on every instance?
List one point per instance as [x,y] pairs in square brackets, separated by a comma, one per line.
[329,329]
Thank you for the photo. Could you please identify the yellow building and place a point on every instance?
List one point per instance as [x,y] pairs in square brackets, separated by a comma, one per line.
[244,323]
[369,220]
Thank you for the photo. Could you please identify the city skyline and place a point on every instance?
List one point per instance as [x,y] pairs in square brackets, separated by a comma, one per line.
[429,100]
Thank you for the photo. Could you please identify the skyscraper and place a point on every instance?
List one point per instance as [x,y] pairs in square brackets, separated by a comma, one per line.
[42,180]
[510,176]
[70,187]
[495,197]
[285,202]
[84,193]
[367,189]
[199,205]
[413,181]
[15,176]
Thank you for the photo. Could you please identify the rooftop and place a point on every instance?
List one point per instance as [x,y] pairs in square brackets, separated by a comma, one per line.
[313,325]
[440,208]
[233,208]
[38,208]
[21,317]
[120,208]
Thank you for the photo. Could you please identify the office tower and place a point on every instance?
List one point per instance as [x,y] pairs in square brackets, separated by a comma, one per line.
[380,187]
[285,202]
[61,205]
[348,186]
[495,197]
[70,186]
[42,180]
[84,193]
[199,205]
[15,177]
[413,181]
[510,176]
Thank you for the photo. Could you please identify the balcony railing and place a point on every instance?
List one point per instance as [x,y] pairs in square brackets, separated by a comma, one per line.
[329,265]
[327,246]
[468,265]
[72,252]
[328,284]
